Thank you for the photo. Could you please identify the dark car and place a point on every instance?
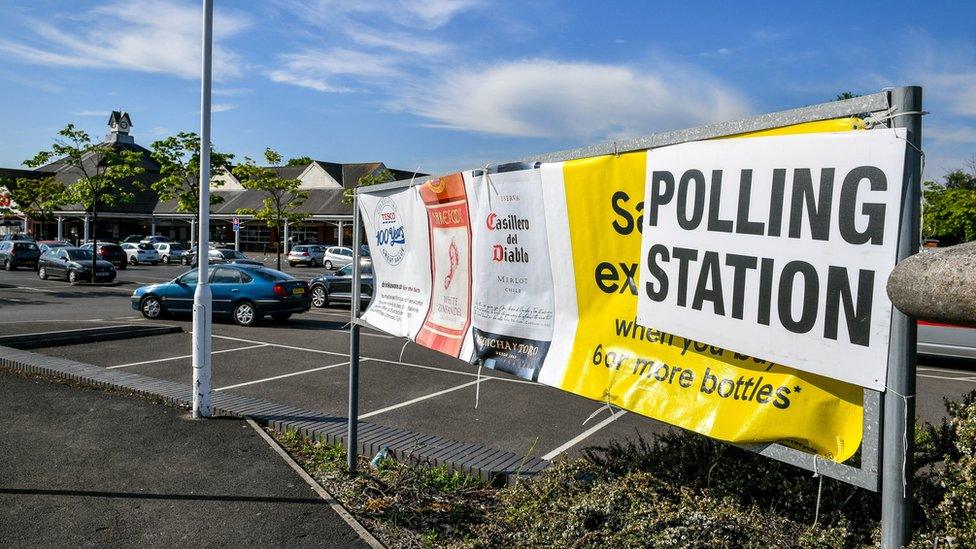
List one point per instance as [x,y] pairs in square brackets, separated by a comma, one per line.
[109,251]
[73,265]
[17,236]
[19,253]
[245,292]
[46,245]
[337,288]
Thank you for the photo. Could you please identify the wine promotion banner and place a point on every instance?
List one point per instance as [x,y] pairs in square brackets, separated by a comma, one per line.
[534,270]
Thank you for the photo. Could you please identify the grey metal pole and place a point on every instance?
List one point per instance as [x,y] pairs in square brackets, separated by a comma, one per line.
[899,399]
[202,297]
[352,437]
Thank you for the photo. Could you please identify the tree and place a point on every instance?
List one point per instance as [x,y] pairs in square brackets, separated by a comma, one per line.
[282,198]
[101,168]
[300,161]
[949,209]
[178,157]
[384,176]
[36,198]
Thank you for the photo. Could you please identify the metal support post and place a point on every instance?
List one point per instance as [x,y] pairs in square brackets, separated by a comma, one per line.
[152,226]
[202,297]
[341,228]
[87,230]
[237,238]
[352,438]
[60,228]
[287,244]
[193,233]
[899,398]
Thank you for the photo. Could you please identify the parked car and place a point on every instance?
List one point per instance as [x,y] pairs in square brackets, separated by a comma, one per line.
[156,239]
[19,253]
[336,257]
[17,236]
[245,292]
[946,340]
[132,239]
[312,255]
[110,252]
[74,265]
[140,253]
[170,251]
[226,256]
[337,288]
[46,245]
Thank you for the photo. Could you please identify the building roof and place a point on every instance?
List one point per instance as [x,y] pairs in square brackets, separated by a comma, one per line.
[319,202]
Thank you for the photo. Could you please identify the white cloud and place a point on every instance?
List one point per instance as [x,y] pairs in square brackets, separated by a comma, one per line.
[86,112]
[330,70]
[160,36]
[544,98]
[222,107]
[955,135]
[425,14]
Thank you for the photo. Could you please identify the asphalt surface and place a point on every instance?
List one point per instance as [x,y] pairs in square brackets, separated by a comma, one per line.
[303,362]
[83,467]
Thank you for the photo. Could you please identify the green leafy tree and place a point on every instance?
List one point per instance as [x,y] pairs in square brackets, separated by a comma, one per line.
[300,161]
[37,198]
[282,197]
[101,170]
[384,176]
[949,209]
[178,157]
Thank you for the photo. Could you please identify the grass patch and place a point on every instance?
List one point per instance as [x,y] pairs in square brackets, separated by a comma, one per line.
[678,489]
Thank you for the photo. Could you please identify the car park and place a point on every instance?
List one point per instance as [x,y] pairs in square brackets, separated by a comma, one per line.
[337,288]
[337,257]
[140,253]
[312,255]
[74,265]
[170,252]
[109,251]
[244,292]
[19,253]
[46,245]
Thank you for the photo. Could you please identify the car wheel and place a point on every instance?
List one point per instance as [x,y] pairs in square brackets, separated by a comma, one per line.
[315,263]
[245,314]
[292,263]
[280,317]
[328,264]
[8,265]
[320,298]
[151,307]
[165,260]
[133,261]
[42,273]
[182,261]
[72,277]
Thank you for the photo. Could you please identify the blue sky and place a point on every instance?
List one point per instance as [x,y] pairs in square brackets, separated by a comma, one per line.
[441,85]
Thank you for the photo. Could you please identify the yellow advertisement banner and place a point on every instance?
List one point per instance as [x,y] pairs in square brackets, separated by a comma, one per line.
[713,391]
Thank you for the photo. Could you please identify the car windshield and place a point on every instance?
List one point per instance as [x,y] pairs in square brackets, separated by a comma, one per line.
[232,254]
[271,274]
[25,246]
[79,254]
[146,247]
[175,248]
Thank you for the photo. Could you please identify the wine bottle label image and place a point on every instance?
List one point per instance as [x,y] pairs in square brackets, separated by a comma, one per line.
[513,304]
[449,313]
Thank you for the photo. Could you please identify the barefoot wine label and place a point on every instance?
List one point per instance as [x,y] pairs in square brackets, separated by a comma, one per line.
[449,313]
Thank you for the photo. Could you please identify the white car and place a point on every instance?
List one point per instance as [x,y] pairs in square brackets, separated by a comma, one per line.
[337,257]
[170,251]
[140,253]
[312,255]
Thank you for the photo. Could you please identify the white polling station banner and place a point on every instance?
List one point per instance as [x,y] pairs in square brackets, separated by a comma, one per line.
[778,247]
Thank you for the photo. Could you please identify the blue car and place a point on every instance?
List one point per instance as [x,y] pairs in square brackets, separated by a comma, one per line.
[245,292]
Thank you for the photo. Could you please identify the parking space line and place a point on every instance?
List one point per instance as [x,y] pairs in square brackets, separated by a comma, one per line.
[303,372]
[181,357]
[45,290]
[281,345]
[582,436]
[423,398]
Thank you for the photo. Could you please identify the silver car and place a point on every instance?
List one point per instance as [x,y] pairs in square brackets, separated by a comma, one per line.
[170,251]
[312,255]
[140,253]
[337,257]
[946,340]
